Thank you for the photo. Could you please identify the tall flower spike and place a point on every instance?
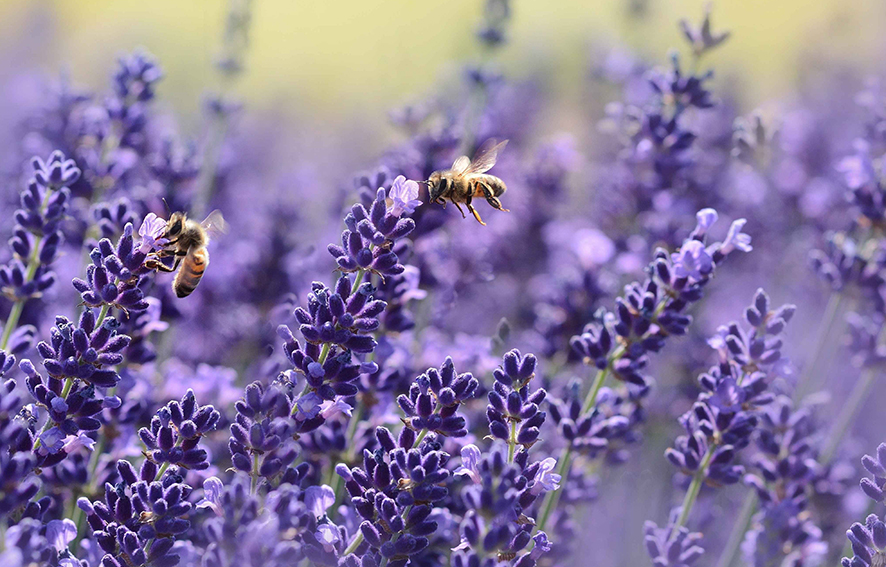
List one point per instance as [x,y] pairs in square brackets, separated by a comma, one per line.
[727,412]
[35,242]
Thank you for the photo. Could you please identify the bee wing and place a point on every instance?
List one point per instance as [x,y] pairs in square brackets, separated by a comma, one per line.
[486,156]
[215,224]
[461,165]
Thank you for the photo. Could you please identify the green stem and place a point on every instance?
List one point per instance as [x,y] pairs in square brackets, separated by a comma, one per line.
[165,465]
[739,528]
[694,489]
[355,544]
[420,437]
[847,415]
[12,321]
[360,275]
[254,480]
[102,314]
[512,441]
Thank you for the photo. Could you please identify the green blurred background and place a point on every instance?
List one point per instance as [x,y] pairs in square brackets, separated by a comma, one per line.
[335,60]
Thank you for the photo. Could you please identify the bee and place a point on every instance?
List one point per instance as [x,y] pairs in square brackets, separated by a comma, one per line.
[187,240]
[467,179]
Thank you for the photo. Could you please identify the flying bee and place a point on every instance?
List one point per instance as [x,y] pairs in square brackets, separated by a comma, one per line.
[467,179]
[187,240]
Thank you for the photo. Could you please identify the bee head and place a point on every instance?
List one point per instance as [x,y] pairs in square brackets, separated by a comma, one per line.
[436,186]
[175,224]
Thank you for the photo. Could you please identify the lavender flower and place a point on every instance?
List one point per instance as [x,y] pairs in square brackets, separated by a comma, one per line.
[434,399]
[367,241]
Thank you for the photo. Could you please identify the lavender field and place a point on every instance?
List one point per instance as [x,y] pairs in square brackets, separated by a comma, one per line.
[644,327]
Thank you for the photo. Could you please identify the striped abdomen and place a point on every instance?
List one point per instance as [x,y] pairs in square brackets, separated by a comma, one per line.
[191,271]
[491,182]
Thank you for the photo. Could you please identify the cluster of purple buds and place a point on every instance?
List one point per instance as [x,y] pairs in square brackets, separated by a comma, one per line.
[37,235]
[261,436]
[134,83]
[345,317]
[73,413]
[281,531]
[434,399]
[327,375]
[702,39]
[725,415]
[610,425]
[17,484]
[875,487]
[175,433]
[368,240]
[136,76]
[864,340]
[87,351]
[495,526]
[33,542]
[397,291]
[843,261]
[669,547]
[863,180]
[394,492]
[650,312]
[513,411]
[663,139]
[139,326]
[111,218]
[136,523]
[868,540]
[785,468]
[114,276]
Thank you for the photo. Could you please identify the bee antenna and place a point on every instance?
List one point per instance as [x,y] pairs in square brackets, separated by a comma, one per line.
[168,210]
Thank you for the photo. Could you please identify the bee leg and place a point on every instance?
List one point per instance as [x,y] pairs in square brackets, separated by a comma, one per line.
[476,214]
[460,209]
[156,265]
[492,199]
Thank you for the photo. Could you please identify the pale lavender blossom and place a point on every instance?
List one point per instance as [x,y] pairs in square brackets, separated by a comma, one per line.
[73,443]
[470,458]
[212,491]
[404,196]
[151,231]
[318,499]
[330,408]
[546,479]
[308,406]
[705,219]
[327,535]
[692,261]
[52,440]
[60,533]
[735,239]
